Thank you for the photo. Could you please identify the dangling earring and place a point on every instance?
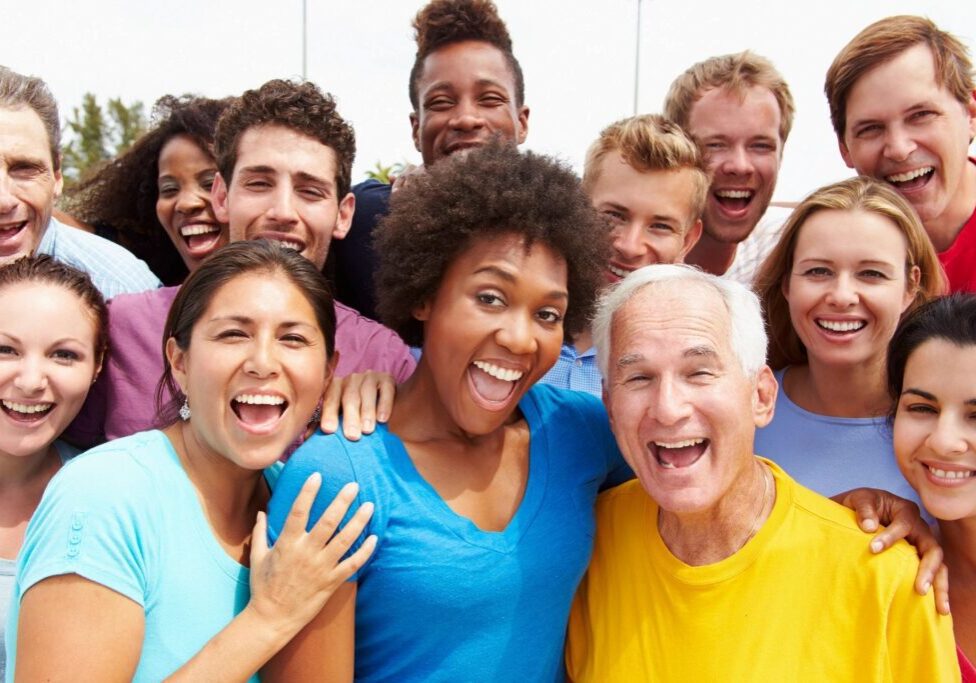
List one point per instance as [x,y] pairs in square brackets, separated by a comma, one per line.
[185,410]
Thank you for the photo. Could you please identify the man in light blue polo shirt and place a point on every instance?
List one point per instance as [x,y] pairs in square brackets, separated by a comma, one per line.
[30,181]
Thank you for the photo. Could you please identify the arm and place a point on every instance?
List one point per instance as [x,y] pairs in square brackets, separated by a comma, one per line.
[323,651]
[874,507]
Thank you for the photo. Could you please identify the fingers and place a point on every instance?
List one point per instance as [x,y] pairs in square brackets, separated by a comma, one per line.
[355,562]
[330,407]
[865,504]
[928,565]
[351,406]
[898,529]
[332,517]
[387,387]
[297,518]
[259,539]
[941,585]
[367,402]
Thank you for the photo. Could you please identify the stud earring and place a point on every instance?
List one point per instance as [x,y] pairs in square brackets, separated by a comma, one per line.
[185,410]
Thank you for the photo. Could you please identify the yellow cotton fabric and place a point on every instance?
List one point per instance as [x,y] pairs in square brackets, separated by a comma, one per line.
[804,600]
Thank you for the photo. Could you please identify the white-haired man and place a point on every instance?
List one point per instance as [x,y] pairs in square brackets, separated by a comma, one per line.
[714,564]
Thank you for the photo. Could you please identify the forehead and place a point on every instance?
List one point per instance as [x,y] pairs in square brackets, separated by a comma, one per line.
[913,72]
[538,263]
[664,320]
[464,64]
[285,151]
[22,304]
[261,296]
[864,233]
[657,192]
[181,149]
[22,134]
[741,113]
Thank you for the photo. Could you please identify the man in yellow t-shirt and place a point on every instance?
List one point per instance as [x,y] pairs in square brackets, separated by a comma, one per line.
[714,564]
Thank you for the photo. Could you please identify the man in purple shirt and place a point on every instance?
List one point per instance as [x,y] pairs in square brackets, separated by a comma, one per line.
[285,158]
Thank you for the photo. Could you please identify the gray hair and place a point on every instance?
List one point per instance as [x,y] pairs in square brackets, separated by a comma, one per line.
[748,332]
[17,91]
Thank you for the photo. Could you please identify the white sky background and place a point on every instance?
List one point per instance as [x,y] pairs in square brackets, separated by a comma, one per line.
[577,55]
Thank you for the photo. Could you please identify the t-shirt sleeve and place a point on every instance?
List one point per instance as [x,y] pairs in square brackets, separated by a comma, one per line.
[95,521]
[339,462]
[920,642]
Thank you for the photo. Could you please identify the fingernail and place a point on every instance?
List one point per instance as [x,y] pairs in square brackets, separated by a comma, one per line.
[314,478]
[350,488]
[368,425]
[876,546]
[368,507]
[331,425]
[382,417]
[926,586]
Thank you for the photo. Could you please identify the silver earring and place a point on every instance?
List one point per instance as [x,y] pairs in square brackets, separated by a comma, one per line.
[185,410]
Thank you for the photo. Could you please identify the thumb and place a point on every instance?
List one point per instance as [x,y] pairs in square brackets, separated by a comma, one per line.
[259,540]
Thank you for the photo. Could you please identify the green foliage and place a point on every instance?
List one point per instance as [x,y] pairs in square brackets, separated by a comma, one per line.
[385,173]
[98,135]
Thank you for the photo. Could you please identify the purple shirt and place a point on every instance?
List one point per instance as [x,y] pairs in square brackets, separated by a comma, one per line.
[123,400]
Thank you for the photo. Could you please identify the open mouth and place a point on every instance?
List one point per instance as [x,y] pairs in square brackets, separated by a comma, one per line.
[617,272]
[841,327]
[285,241]
[259,413]
[911,180]
[948,477]
[678,454]
[493,385]
[734,201]
[11,231]
[27,413]
[200,238]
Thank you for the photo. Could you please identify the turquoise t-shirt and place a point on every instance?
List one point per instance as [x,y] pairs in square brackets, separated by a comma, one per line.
[125,515]
[441,600]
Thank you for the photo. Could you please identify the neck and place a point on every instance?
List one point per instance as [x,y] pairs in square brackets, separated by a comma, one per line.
[225,489]
[710,536]
[19,471]
[847,391]
[944,228]
[960,550]
[583,341]
[711,255]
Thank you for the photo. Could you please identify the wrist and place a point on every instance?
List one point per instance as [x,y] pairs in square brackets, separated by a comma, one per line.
[275,632]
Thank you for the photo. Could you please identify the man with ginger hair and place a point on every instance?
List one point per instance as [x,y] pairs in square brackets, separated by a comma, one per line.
[903,105]
[466,87]
[647,177]
[739,109]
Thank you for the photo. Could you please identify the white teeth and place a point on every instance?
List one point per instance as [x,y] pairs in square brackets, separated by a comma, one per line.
[27,408]
[951,474]
[734,194]
[294,246]
[617,271]
[841,326]
[497,372]
[260,399]
[908,175]
[198,229]
[679,444]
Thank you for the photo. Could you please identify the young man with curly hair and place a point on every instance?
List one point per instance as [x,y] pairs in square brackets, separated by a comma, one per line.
[285,157]
[903,105]
[465,87]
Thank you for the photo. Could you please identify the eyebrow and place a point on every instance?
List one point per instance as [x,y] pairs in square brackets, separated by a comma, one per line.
[481,83]
[624,209]
[509,277]
[245,320]
[700,351]
[629,359]
[921,393]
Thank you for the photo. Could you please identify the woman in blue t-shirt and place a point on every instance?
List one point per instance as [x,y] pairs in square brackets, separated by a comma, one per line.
[138,563]
[852,259]
[52,340]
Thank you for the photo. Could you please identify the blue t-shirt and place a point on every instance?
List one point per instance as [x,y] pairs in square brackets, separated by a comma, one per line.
[125,515]
[442,600]
[831,454]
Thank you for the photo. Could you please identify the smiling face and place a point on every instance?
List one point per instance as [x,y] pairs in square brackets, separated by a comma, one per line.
[29,183]
[848,287]
[183,205]
[905,128]
[284,189]
[681,406]
[493,328]
[739,135]
[466,93]
[650,213]
[254,371]
[935,428]
[45,370]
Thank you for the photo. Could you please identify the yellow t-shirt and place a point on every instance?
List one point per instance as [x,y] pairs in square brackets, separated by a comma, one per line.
[803,600]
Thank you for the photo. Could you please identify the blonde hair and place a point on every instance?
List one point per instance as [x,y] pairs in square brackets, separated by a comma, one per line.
[736,73]
[884,40]
[650,142]
[854,194]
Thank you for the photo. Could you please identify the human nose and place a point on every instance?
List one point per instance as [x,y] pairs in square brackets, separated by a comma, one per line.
[628,242]
[947,438]
[843,291]
[515,333]
[31,378]
[282,209]
[8,202]
[898,143]
[671,405]
[262,358]
[736,161]
[467,116]
[189,201]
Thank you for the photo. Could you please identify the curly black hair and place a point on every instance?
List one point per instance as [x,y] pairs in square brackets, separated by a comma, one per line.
[122,194]
[299,106]
[443,22]
[492,191]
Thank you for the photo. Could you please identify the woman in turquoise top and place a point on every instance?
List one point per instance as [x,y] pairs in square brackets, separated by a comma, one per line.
[139,563]
[45,372]
[852,259]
